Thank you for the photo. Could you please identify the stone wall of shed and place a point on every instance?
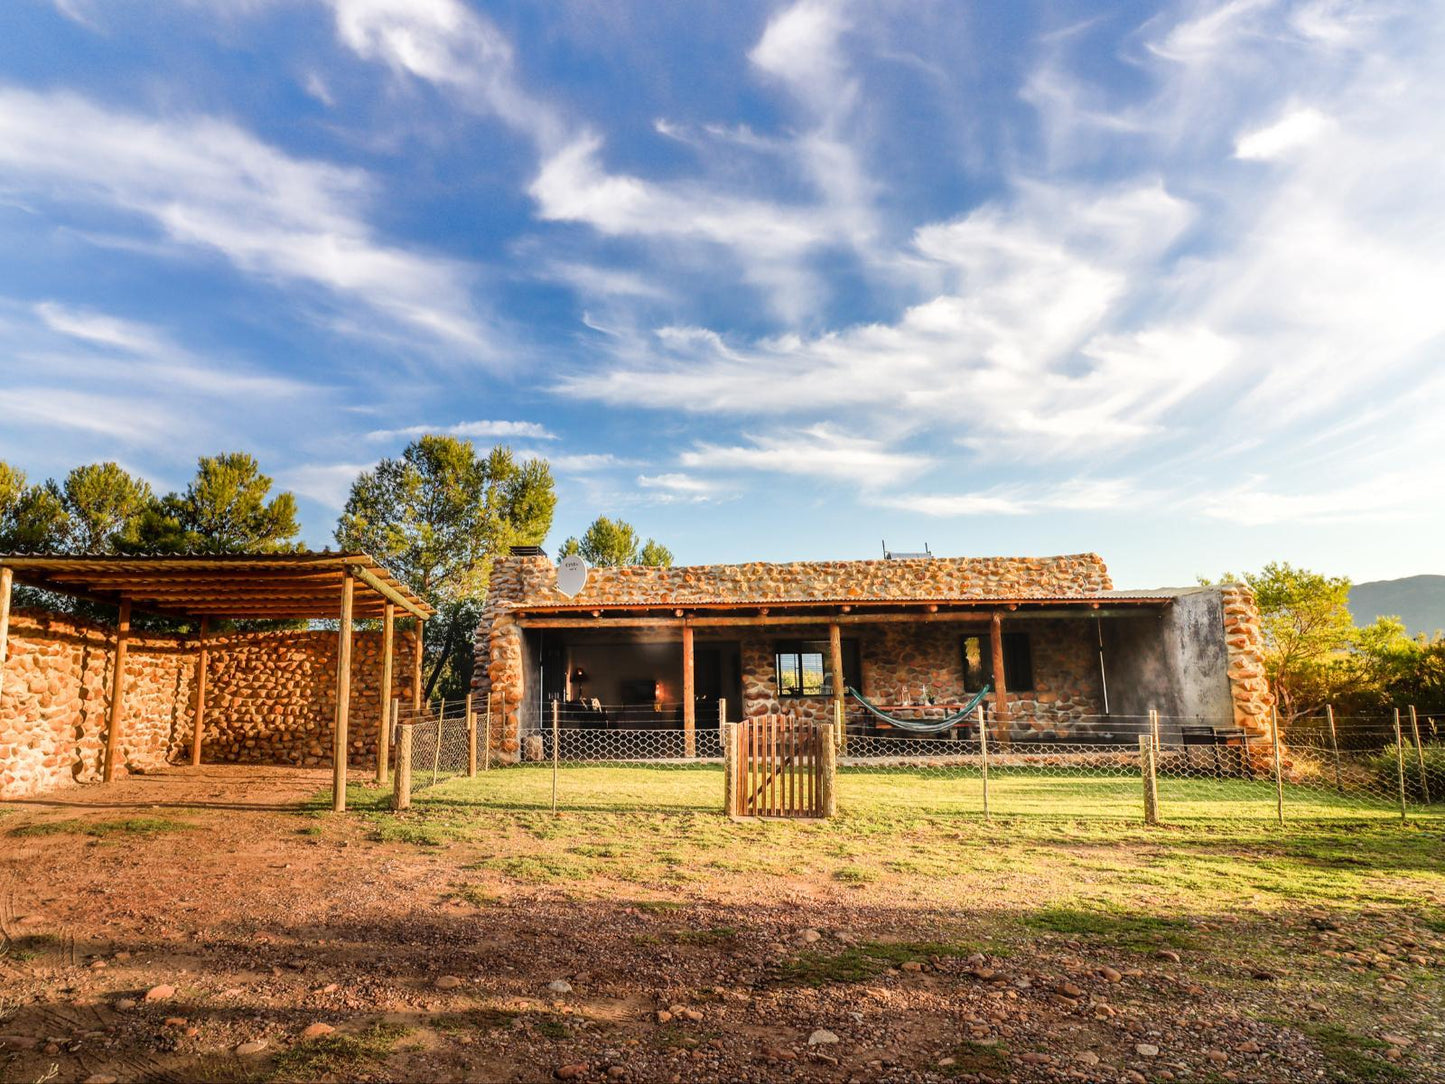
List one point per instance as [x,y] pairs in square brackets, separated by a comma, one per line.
[270,698]
[899,660]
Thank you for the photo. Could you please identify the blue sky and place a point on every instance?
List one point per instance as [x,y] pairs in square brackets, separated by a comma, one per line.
[771,281]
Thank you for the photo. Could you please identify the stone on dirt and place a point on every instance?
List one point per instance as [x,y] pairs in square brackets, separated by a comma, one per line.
[255,1046]
[560,986]
[160,993]
[447,982]
[572,1072]
[822,1037]
[317,1030]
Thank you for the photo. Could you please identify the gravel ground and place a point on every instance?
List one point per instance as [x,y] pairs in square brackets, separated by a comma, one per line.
[195,926]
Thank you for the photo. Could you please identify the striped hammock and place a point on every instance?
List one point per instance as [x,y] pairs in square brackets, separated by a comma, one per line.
[923,726]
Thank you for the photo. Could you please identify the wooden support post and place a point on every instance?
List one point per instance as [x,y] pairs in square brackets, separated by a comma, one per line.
[471,738]
[383,735]
[1334,746]
[828,777]
[983,759]
[7,578]
[1419,755]
[1151,781]
[1400,763]
[198,724]
[416,665]
[1154,729]
[117,692]
[1278,765]
[339,736]
[401,795]
[689,696]
[436,756]
[1000,688]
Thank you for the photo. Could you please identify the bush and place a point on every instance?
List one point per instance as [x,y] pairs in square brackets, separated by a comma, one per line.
[1386,766]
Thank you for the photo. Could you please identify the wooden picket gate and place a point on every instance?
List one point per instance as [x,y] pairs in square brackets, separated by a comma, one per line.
[781,766]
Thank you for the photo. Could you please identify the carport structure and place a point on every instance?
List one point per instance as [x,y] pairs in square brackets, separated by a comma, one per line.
[344,587]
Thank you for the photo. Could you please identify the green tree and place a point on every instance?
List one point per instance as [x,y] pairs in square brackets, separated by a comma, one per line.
[227,508]
[32,517]
[436,517]
[611,543]
[104,505]
[1305,620]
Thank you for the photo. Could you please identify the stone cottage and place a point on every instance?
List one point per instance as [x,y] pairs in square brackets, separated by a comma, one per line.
[1066,656]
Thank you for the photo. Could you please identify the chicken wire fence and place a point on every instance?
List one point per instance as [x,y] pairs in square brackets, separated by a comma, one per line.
[1114,767]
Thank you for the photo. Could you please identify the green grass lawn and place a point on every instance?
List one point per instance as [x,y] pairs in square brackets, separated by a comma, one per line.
[914,792]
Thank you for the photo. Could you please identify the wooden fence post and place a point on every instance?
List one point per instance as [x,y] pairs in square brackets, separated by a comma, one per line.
[828,777]
[436,756]
[1151,782]
[1334,746]
[117,693]
[556,710]
[1419,755]
[726,735]
[471,739]
[198,722]
[1400,763]
[1278,765]
[401,795]
[983,759]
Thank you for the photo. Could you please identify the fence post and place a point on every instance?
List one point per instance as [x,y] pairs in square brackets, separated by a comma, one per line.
[1334,746]
[727,734]
[1151,782]
[1154,728]
[487,745]
[556,711]
[828,753]
[1278,765]
[1400,763]
[471,739]
[401,795]
[983,757]
[436,757]
[1419,755]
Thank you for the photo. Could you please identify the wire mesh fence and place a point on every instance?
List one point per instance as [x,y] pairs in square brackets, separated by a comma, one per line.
[1114,767]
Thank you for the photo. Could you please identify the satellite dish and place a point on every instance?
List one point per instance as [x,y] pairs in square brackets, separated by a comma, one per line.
[571,575]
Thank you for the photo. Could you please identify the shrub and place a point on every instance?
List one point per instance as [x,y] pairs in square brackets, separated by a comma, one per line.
[1386,765]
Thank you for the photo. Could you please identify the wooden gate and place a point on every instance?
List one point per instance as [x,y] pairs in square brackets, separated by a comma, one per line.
[781,768]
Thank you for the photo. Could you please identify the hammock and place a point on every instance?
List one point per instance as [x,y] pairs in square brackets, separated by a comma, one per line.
[921,726]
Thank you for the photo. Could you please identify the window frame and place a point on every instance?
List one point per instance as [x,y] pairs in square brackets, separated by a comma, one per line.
[799,649]
[1018,654]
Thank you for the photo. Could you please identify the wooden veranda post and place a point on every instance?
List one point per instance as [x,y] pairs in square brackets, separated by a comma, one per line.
[416,665]
[117,692]
[383,733]
[339,737]
[1000,689]
[6,579]
[835,664]
[689,695]
[198,725]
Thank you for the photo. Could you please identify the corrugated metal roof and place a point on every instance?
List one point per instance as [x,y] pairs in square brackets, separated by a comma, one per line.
[749,603]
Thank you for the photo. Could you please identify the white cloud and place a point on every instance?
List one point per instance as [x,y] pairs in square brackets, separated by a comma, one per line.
[818,451]
[328,484]
[497,429]
[1073,495]
[677,483]
[207,184]
[1295,129]
[449,44]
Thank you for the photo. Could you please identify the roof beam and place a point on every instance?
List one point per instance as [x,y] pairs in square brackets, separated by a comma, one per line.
[386,591]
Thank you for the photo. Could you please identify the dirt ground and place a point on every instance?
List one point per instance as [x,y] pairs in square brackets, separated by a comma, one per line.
[215,925]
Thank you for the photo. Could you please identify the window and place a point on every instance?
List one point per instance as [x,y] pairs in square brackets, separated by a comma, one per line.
[803,667]
[1018,662]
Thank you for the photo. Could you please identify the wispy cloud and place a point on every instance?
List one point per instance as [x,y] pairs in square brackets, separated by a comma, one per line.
[207,184]
[503,430]
[819,451]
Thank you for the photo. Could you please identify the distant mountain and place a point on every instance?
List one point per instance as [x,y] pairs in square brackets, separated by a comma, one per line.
[1419,601]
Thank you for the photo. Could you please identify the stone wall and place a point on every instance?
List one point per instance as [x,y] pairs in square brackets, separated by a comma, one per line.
[899,660]
[270,698]
[1244,642]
